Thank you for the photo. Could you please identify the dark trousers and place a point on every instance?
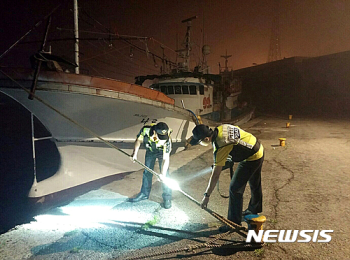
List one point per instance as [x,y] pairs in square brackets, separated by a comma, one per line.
[245,172]
[150,160]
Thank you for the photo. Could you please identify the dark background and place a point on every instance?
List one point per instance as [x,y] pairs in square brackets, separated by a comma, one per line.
[243,28]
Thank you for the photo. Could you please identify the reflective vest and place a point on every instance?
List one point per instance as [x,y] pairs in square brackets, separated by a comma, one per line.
[154,146]
[231,140]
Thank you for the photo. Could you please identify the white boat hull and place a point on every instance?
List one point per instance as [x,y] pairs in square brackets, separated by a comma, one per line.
[116,116]
[81,163]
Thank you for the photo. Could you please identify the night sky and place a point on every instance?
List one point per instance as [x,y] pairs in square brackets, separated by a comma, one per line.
[243,28]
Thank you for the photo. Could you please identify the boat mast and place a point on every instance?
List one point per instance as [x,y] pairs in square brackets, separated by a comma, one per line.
[76,36]
[226,60]
[188,42]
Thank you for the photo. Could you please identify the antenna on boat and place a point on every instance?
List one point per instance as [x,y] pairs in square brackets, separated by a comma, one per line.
[186,52]
[205,50]
[188,41]
[226,60]
[76,36]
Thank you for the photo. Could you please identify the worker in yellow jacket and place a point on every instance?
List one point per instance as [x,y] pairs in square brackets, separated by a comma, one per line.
[244,148]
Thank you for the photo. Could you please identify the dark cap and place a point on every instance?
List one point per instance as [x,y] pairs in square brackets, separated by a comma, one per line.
[199,133]
[162,130]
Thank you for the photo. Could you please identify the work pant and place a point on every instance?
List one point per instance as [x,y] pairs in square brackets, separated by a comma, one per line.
[247,171]
[150,160]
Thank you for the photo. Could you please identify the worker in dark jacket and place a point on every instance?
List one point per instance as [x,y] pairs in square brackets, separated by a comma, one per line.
[157,141]
[245,149]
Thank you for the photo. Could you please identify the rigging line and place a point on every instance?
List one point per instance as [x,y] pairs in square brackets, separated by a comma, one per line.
[95,20]
[73,39]
[128,58]
[83,20]
[142,50]
[32,29]
[120,37]
[111,71]
[116,67]
[163,44]
[112,34]
[107,63]
[139,63]
[104,53]
[126,36]
[89,16]
[138,48]
[108,30]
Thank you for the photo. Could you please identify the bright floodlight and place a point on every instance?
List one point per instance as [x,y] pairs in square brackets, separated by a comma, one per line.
[172,184]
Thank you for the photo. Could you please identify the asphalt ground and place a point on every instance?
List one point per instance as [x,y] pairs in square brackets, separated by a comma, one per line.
[305,185]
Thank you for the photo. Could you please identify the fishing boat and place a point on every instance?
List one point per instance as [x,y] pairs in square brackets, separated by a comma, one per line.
[114,110]
[72,116]
[76,115]
[213,97]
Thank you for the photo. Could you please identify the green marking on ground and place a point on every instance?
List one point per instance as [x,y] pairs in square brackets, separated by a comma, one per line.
[151,222]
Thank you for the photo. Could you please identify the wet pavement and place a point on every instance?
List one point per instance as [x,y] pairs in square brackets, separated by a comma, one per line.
[305,186]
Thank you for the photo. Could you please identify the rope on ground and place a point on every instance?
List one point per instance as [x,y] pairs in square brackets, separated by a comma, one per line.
[192,248]
[189,248]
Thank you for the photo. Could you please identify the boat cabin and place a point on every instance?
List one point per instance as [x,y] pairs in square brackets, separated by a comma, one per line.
[196,96]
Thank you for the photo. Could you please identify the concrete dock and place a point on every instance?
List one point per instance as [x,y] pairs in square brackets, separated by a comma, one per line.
[305,185]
